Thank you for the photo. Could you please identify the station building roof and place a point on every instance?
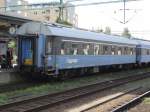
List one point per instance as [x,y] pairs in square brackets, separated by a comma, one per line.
[18,20]
[7,21]
[32,28]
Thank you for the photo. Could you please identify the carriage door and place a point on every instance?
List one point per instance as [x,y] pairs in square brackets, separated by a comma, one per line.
[138,53]
[27,51]
[50,53]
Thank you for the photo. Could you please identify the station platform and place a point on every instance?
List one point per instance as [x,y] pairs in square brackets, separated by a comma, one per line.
[8,70]
[9,76]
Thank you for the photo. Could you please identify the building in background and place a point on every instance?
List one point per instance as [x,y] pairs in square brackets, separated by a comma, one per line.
[16,7]
[45,12]
[2,5]
[70,15]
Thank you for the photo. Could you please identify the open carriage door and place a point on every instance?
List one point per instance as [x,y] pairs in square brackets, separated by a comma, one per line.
[27,51]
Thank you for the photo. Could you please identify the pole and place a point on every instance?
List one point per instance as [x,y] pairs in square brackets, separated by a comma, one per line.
[124,11]
[5,4]
[61,10]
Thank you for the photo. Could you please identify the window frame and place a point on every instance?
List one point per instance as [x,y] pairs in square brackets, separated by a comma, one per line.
[46,46]
[102,50]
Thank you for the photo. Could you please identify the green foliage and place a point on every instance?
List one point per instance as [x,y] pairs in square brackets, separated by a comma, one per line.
[12,44]
[107,30]
[99,30]
[147,100]
[126,33]
[63,22]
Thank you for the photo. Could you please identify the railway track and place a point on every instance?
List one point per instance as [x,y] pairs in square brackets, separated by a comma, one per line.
[127,105]
[50,100]
[117,102]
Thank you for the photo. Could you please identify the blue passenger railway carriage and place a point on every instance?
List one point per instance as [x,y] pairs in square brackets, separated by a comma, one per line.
[53,49]
[143,51]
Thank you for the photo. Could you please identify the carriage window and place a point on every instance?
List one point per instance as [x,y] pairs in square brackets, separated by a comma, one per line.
[148,52]
[131,51]
[144,51]
[80,49]
[96,49]
[91,50]
[119,51]
[86,48]
[49,46]
[105,50]
[62,49]
[126,51]
[113,50]
[65,48]
[74,49]
[100,49]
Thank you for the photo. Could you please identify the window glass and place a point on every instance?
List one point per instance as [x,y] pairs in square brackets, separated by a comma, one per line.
[74,49]
[80,49]
[147,51]
[105,49]
[115,47]
[131,51]
[96,49]
[143,51]
[100,49]
[62,48]
[91,49]
[86,48]
[134,51]
[65,48]
[125,51]
[113,50]
[119,51]
[49,46]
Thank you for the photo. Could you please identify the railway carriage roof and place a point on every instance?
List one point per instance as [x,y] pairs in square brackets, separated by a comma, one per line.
[50,29]
[143,43]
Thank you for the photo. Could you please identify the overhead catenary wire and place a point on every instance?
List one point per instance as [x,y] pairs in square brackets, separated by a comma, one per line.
[57,5]
[60,5]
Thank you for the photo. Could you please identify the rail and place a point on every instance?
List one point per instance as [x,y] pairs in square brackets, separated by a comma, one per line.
[49,100]
[131,103]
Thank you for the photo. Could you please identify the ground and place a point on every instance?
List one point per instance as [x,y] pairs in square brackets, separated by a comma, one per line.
[142,107]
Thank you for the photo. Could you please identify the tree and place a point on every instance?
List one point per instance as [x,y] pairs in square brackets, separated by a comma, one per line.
[107,30]
[63,22]
[99,30]
[12,44]
[126,33]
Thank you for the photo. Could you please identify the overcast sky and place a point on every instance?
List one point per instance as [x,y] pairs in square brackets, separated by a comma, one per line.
[100,16]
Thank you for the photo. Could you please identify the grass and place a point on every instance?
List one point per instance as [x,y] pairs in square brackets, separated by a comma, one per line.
[146,100]
[53,87]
